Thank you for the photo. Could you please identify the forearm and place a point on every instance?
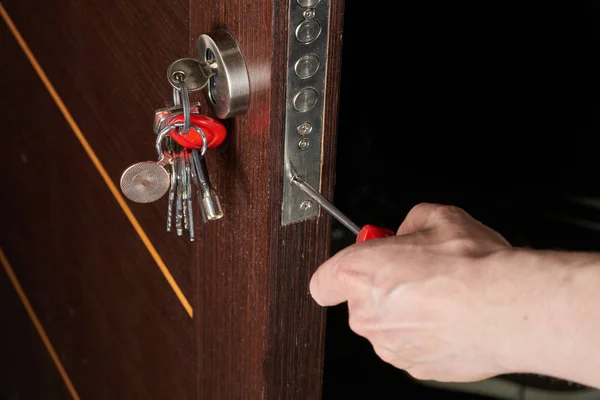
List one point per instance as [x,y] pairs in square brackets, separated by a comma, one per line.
[559,325]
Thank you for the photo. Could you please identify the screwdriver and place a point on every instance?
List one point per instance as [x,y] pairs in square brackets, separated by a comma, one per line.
[365,233]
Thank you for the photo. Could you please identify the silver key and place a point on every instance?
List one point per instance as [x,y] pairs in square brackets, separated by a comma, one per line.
[206,195]
[190,207]
[194,73]
[171,200]
[198,185]
[184,191]
[188,75]
[178,195]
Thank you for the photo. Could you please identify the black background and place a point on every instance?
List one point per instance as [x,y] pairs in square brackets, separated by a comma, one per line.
[489,106]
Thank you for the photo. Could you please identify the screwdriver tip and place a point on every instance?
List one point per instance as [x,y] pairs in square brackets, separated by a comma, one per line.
[291,171]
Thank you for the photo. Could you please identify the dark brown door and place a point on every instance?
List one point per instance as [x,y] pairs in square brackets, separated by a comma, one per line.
[99,302]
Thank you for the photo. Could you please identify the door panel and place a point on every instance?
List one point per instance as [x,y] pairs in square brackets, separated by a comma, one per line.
[109,69]
[133,311]
[115,321]
[30,362]
[259,333]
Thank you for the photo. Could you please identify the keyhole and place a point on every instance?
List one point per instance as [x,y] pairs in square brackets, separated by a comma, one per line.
[212,81]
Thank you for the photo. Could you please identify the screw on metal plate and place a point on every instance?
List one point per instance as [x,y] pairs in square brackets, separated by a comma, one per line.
[303,144]
[305,205]
[304,128]
[309,13]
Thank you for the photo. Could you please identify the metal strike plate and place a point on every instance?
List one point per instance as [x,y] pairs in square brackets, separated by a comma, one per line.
[305,88]
[228,88]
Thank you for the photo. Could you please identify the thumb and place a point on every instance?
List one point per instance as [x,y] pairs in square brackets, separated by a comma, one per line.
[325,287]
[349,272]
[330,284]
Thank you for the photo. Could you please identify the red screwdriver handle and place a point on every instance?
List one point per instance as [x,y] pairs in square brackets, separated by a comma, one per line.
[369,232]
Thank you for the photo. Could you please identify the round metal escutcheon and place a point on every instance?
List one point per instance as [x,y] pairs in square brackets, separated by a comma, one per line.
[228,90]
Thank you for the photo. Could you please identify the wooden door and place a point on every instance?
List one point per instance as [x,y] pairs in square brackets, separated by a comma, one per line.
[99,302]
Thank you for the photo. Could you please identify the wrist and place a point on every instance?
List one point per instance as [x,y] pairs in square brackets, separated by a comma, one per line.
[548,313]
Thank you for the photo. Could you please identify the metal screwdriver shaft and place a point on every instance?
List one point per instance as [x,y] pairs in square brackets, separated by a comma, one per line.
[323,202]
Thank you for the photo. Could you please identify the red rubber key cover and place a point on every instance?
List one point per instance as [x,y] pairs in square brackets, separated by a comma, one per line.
[214,130]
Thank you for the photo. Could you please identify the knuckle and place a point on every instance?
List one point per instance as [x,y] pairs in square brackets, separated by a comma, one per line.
[385,354]
[424,205]
[346,273]
[464,245]
[446,212]
[349,271]
[359,324]
[419,372]
[355,325]
[424,208]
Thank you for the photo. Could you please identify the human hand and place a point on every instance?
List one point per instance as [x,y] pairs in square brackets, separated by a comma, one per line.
[425,298]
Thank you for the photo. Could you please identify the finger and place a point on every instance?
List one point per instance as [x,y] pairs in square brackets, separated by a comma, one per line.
[347,273]
[425,216]
[326,288]
[354,270]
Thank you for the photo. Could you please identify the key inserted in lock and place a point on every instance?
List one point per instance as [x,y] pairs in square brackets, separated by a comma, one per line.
[220,69]
[194,73]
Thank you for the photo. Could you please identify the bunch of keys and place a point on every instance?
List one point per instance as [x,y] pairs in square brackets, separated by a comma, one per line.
[183,136]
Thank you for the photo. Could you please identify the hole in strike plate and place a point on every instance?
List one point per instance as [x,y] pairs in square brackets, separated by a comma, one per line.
[212,81]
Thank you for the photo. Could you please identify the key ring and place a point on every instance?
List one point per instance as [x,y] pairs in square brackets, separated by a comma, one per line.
[161,136]
[168,117]
[185,102]
[164,119]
